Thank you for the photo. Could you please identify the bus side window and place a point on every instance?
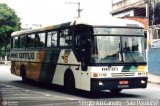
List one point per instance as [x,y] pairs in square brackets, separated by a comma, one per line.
[77,41]
[40,40]
[22,42]
[11,42]
[15,42]
[30,40]
[66,37]
[52,39]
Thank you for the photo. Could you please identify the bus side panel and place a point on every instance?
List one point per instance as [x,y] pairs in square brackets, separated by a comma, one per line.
[30,59]
[33,70]
[85,80]
[49,64]
[67,60]
[15,69]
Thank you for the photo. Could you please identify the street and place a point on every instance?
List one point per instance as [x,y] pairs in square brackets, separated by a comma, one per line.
[15,92]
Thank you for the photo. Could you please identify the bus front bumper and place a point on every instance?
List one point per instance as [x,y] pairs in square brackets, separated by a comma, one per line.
[98,84]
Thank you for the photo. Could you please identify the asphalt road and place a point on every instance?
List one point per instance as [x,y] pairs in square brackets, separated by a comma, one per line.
[16,93]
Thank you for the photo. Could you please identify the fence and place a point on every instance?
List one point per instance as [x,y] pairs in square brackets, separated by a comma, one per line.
[4,59]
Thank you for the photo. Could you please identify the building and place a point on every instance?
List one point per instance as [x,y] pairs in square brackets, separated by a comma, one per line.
[154,12]
[154,36]
[131,9]
[30,26]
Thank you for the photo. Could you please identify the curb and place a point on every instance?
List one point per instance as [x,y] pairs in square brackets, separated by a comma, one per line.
[151,82]
[153,79]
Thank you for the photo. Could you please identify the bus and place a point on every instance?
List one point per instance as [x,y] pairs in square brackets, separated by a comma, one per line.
[89,55]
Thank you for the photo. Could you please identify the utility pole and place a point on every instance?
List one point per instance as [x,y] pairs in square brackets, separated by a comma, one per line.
[79,9]
[147,11]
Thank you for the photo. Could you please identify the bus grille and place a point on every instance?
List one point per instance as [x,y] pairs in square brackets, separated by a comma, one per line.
[122,74]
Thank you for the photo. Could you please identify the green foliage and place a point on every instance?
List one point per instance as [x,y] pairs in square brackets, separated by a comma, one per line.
[9,22]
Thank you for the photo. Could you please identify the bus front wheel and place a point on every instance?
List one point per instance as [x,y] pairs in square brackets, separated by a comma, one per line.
[115,91]
[69,82]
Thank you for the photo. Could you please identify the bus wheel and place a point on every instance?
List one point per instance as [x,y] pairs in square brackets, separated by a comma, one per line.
[23,73]
[69,82]
[115,91]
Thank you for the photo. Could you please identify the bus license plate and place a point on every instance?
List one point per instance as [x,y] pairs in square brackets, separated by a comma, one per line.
[123,82]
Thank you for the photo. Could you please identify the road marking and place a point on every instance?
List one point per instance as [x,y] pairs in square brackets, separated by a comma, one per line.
[61,103]
[10,92]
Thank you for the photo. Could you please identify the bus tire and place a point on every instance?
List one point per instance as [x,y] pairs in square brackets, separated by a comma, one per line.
[115,91]
[69,82]
[23,73]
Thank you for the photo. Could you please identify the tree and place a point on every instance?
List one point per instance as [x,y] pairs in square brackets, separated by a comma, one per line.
[9,22]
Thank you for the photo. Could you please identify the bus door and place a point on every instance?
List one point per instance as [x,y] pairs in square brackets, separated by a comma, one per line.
[85,59]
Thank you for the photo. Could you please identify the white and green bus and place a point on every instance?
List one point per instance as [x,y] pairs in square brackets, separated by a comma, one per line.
[82,54]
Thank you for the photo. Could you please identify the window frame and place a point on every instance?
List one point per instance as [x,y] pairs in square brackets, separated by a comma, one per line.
[27,42]
[13,42]
[20,40]
[35,44]
[71,33]
[57,43]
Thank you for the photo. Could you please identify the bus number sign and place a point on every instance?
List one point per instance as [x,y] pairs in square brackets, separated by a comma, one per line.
[24,56]
[110,69]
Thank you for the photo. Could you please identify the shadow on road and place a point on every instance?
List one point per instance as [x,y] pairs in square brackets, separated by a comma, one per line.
[84,94]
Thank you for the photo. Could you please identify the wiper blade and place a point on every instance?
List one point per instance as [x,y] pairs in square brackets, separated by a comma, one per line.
[134,61]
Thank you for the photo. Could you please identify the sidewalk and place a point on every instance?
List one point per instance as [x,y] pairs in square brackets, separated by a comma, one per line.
[5,62]
[155,79]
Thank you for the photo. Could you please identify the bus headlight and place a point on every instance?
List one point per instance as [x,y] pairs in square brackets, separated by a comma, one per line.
[143,81]
[100,83]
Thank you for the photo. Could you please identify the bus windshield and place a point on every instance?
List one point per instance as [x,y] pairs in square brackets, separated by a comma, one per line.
[118,49]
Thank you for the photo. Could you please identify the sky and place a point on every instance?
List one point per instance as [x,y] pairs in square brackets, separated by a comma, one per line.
[48,12]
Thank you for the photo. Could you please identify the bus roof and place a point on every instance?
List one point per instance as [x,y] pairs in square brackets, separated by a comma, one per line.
[108,22]
[41,29]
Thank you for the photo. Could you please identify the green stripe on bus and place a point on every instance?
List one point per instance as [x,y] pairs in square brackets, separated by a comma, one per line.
[49,65]
[133,69]
[126,69]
